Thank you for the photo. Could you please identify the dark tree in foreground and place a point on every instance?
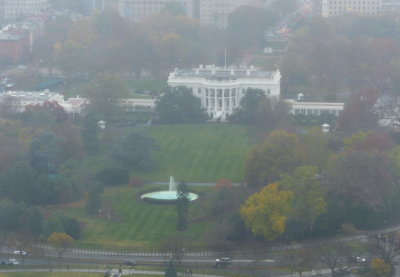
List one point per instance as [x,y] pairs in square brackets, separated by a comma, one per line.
[179,106]
[182,205]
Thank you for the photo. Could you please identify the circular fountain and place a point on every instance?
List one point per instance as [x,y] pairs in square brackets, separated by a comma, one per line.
[167,196]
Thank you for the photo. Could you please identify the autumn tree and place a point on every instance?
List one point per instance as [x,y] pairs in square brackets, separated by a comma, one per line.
[60,242]
[361,178]
[309,198]
[358,114]
[278,153]
[265,213]
[105,92]
[380,268]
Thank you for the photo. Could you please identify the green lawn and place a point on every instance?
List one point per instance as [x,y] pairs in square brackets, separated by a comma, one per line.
[137,224]
[195,153]
[199,153]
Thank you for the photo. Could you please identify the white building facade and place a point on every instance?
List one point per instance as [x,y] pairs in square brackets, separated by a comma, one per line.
[210,12]
[315,108]
[216,12]
[138,10]
[343,7]
[17,9]
[221,89]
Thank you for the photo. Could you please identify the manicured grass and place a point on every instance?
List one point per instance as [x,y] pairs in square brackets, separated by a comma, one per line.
[194,153]
[199,153]
[137,225]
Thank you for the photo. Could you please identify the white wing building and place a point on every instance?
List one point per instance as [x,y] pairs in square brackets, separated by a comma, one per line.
[17,9]
[221,89]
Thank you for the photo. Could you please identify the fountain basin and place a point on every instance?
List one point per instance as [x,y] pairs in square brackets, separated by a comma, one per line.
[166,196]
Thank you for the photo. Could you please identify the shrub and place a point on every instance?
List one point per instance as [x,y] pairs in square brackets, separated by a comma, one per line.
[113,176]
[136,182]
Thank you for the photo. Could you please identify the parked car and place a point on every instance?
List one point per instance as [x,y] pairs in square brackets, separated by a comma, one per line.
[19,252]
[12,262]
[129,263]
[223,261]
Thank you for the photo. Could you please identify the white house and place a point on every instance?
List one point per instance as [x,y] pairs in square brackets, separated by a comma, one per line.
[220,89]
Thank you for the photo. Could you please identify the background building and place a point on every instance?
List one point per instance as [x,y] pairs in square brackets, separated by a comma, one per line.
[221,89]
[213,12]
[342,7]
[17,9]
[138,10]
[216,12]
[91,6]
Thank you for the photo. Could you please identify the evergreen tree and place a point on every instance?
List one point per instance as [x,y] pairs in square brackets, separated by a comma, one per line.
[182,205]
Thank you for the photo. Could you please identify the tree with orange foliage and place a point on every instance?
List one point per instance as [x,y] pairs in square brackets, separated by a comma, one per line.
[265,212]
[60,241]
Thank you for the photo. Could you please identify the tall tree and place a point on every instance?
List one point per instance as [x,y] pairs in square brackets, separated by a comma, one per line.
[309,197]
[265,213]
[182,205]
[358,114]
[179,105]
[60,241]
[278,153]
[104,93]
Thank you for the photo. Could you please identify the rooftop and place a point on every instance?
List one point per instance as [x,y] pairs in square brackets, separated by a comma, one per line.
[212,72]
